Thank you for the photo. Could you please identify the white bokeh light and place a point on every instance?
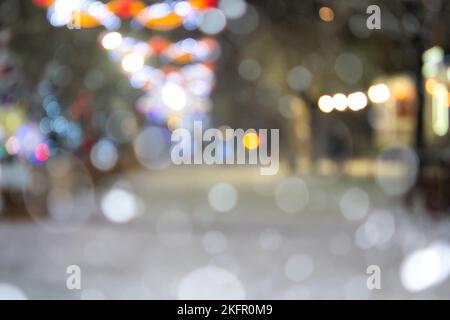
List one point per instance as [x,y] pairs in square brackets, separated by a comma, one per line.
[211,283]
[104,155]
[111,40]
[233,9]
[213,21]
[292,195]
[340,101]
[119,205]
[132,62]
[223,197]
[174,96]
[325,103]
[426,267]
[354,204]
[357,101]
[11,292]
[379,93]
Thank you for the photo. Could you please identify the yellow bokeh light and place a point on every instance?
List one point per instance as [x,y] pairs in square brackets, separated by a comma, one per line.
[164,23]
[430,84]
[11,120]
[174,122]
[326,14]
[84,20]
[251,140]
[400,90]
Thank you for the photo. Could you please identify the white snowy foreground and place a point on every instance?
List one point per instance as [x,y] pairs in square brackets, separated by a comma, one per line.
[226,233]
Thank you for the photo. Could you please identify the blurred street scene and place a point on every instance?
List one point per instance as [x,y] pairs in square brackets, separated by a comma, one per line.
[94,206]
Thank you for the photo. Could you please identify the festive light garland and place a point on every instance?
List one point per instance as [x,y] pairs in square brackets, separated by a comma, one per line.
[180,53]
[158,16]
[192,61]
[176,91]
[181,87]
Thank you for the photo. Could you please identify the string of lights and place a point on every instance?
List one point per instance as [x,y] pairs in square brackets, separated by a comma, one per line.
[177,77]
[157,16]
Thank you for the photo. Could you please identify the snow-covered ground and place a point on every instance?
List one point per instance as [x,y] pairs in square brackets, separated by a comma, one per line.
[227,233]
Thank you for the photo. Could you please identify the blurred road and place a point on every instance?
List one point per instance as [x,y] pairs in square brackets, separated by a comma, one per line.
[183,246]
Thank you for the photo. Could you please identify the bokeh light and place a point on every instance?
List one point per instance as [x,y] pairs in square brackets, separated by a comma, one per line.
[223,197]
[326,103]
[292,195]
[133,62]
[211,283]
[357,101]
[354,204]
[326,14]
[379,93]
[119,205]
[251,140]
[353,120]
[426,267]
[111,40]
[340,102]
